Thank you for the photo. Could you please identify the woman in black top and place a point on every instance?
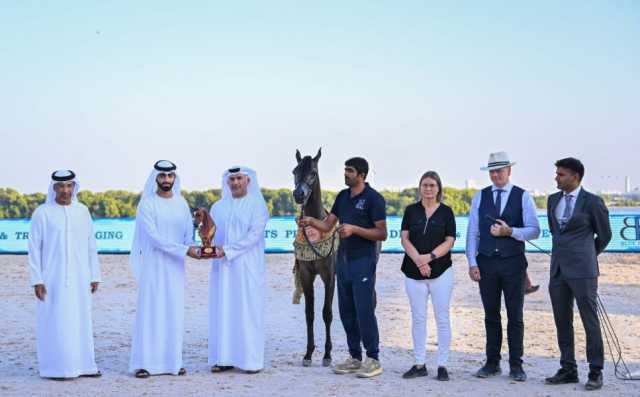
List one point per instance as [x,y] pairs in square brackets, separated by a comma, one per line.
[428,234]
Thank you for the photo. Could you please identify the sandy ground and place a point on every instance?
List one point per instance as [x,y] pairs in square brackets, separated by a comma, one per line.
[114,307]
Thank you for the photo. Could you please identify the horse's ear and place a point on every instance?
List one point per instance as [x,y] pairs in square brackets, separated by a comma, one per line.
[318,155]
[298,156]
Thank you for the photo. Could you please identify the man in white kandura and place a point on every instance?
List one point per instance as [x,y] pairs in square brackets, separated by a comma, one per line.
[162,239]
[237,281]
[64,270]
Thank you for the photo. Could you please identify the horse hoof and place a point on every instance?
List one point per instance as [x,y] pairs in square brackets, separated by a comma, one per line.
[306,362]
[326,362]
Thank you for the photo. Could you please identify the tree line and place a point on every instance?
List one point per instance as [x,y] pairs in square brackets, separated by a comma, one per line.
[122,204]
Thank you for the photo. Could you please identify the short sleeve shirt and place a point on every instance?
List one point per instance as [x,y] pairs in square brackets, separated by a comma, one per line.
[361,210]
[425,235]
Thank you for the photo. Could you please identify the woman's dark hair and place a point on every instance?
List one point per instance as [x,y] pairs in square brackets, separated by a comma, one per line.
[572,164]
[432,175]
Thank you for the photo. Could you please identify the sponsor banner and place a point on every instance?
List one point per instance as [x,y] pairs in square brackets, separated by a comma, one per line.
[116,235]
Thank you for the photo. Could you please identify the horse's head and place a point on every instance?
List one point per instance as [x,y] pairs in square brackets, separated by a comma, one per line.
[199,215]
[305,177]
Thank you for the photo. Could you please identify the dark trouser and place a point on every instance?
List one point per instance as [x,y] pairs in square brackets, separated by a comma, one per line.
[585,293]
[498,276]
[356,299]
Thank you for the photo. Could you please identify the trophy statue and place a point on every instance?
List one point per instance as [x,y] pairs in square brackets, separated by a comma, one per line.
[206,230]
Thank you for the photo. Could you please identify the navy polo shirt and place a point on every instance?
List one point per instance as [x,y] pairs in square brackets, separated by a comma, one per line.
[361,210]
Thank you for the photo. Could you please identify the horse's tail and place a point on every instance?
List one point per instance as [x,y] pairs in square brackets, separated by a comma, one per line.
[297,292]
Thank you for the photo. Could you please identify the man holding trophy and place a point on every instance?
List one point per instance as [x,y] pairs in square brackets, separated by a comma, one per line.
[162,239]
[237,279]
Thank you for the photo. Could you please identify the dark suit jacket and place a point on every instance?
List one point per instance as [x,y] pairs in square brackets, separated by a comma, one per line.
[576,247]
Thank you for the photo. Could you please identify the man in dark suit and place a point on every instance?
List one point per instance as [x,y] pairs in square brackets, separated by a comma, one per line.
[579,223]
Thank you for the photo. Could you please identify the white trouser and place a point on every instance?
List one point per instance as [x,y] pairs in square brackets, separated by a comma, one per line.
[440,290]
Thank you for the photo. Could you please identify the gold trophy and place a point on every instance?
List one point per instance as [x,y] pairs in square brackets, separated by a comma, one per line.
[206,230]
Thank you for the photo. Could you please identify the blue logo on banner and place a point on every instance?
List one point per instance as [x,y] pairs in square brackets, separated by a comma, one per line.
[631,229]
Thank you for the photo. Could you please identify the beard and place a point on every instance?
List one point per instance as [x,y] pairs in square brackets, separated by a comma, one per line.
[165,187]
[63,197]
[238,191]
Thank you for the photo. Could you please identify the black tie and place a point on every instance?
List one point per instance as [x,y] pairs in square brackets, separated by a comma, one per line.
[499,201]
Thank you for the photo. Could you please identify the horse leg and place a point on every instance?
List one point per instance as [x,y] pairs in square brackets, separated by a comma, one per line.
[328,276]
[307,278]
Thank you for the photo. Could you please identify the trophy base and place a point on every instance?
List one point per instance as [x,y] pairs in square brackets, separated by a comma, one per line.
[207,253]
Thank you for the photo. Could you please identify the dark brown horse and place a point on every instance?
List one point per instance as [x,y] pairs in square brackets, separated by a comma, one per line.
[308,194]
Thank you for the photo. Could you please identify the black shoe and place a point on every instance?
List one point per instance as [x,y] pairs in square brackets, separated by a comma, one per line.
[517,373]
[415,372]
[531,289]
[595,380]
[96,375]
[488,370]
[442,374]
[142,374]
[563,375]
[221,368]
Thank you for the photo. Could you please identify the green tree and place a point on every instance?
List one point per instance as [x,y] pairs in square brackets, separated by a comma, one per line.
[122,204]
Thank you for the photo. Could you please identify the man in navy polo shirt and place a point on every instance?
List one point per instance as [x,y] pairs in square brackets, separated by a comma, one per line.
[361,212]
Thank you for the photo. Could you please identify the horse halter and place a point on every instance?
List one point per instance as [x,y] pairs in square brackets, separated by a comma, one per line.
[306,191]
[305,184]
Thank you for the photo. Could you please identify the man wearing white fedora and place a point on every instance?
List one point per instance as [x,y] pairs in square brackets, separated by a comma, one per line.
[502,217]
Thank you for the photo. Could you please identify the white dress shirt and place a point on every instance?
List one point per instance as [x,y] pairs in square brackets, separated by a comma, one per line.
[530,231]
[559,212]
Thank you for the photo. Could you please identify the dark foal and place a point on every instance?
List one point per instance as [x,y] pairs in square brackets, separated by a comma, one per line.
[308,194]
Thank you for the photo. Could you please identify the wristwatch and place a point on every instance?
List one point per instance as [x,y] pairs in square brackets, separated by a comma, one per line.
[433,256]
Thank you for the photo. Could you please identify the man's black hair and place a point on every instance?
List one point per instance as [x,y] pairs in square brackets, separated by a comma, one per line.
[360,164]
[572,164]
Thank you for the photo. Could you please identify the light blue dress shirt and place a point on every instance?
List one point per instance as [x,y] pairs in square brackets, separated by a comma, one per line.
[530,231]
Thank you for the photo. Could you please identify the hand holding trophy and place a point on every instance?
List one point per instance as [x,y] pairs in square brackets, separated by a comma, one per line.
[206,230]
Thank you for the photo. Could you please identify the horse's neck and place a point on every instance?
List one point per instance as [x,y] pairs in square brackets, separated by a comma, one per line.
[314,204]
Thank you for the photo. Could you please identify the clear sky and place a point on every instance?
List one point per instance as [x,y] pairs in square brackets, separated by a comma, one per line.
[108,87]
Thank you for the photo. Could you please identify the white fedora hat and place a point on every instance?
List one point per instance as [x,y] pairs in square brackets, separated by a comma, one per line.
[498,160]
